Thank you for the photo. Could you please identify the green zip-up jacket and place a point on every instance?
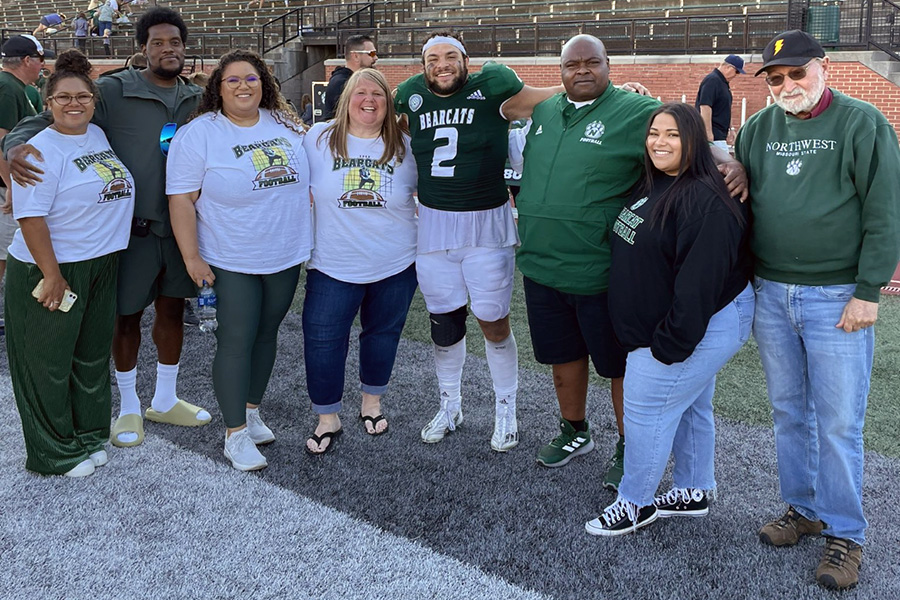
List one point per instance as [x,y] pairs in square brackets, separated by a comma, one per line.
[825,195]
[132,117]
[580,166]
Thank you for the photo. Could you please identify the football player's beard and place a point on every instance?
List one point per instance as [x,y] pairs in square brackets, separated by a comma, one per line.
[458,82]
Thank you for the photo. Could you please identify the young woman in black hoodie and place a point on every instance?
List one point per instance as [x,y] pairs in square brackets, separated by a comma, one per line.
[681,306]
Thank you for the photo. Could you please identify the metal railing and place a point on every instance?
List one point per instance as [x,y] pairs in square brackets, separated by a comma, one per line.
[676,35]
[327,20]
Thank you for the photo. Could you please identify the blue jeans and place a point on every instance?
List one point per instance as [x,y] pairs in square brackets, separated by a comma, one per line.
[328,312]
[668,408]
[818,382]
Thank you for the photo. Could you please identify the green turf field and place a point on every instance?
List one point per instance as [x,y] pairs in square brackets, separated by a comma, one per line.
[741,390]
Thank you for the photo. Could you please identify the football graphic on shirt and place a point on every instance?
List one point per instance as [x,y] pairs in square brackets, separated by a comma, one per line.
[272,165]
[361,198]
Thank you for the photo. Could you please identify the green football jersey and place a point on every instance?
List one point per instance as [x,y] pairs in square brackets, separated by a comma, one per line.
[460,142]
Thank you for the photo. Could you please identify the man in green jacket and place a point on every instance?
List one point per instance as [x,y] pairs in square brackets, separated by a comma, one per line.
[824,174]
[139,112]
[584,153]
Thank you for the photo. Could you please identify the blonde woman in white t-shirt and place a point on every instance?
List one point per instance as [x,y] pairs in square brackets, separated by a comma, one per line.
[61,280]
[238,185]
[363,177]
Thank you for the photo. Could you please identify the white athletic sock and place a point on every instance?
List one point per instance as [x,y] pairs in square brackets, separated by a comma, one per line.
[503,360]
[448,363]
[164,398]
[130,404]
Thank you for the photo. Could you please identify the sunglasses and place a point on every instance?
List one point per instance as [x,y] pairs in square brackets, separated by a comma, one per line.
[372,53]
[797,74]
[165,137]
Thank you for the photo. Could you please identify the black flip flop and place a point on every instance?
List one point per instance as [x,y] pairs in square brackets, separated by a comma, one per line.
[373,421]
[331,436]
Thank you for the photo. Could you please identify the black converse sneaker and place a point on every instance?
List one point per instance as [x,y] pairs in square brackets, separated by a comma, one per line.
[682,502]
[621,517]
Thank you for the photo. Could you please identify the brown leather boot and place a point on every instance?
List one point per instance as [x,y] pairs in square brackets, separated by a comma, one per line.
[788,530]
[839,567]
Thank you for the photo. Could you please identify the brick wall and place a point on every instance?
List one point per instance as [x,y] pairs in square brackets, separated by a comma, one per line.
[670,80]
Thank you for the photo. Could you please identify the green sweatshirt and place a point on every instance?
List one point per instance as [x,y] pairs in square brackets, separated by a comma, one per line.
[580,166]
[132,117]
[825,195]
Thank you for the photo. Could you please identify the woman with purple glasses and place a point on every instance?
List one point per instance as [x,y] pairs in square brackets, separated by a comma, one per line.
[238,185]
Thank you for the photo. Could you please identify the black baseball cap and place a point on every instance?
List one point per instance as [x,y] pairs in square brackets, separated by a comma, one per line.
[25,45]
[792,48]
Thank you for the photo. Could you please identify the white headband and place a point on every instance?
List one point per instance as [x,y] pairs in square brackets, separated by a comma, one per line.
[442,39]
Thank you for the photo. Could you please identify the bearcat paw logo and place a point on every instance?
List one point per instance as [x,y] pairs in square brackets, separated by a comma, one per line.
[794,166]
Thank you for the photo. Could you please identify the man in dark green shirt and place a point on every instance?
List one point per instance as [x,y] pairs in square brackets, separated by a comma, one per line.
[824,174]
[22,61]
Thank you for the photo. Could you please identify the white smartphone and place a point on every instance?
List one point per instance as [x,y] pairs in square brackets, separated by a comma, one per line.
[68,299]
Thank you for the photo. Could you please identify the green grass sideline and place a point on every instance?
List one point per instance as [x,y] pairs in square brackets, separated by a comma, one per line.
[741,388]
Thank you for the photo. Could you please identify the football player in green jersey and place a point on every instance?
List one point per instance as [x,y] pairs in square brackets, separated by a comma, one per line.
[467,235]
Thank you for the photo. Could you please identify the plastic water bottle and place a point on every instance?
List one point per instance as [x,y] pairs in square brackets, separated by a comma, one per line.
[206,308]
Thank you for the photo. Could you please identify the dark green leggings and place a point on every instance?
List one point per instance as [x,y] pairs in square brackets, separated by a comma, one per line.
[251,307]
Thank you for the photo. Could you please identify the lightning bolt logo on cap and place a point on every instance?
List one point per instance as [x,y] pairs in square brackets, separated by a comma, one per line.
[778,45]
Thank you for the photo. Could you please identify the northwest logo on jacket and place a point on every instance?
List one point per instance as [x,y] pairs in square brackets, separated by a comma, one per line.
[271,162]
[364,181]
[108,168]
[800,147]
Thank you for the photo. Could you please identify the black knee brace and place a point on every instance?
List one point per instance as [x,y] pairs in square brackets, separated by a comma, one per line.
[448,328]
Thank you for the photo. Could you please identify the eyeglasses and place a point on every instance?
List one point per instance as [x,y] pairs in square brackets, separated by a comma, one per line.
[797,74]
[66,99]
[372,53]
[165,137]
[40,57]
[235,82]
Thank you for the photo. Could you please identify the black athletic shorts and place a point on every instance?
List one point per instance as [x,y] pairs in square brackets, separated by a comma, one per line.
[566,327]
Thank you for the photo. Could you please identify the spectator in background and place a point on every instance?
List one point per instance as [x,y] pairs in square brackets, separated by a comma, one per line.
[306,109]
[138,61]
[199,78]
[82,30]
[22,62]
[51,21]
[359,53]
[105,16]
[714,100]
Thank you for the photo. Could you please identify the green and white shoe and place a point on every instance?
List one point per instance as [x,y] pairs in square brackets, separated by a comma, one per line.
[615,468]
[566,446]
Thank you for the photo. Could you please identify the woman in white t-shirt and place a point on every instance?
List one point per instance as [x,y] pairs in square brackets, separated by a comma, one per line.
[238,185]
[61,280]
[363,177]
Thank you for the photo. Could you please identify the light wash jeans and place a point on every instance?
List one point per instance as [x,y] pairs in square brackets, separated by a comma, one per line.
[668,408]
[818,381]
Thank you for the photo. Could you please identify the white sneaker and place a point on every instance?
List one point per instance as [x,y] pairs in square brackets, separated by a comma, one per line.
[242,452]
[447,419]
[259,433]
[82,469]
[506,430]
[99,458]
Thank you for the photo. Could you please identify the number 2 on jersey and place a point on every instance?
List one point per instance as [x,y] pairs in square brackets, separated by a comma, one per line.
[444,153]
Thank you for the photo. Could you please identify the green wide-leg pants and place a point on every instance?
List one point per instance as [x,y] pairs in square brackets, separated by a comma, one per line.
[59,362]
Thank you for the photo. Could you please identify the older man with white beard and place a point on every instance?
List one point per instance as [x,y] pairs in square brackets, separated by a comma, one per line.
[825,190]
